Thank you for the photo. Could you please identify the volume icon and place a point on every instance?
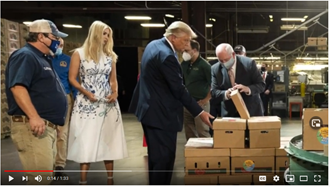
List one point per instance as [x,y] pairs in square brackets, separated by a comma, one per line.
[38,178]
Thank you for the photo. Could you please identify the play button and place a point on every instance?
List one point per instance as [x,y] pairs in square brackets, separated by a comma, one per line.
[10,178]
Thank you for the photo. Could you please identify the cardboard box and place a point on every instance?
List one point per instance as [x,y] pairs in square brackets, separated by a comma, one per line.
[264,179]
[264,132]
[312,136]
[247,161]
[229,133]
[281,161]
[325,150]
[325,48]
[201,158]
[279,87]
[201,180]
[235,180]
[311,41]
[240,104]
[322,41]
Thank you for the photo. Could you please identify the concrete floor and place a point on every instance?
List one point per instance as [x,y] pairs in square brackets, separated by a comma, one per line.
[136,163]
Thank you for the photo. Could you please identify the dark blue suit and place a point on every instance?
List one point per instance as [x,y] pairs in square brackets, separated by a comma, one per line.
[158,102]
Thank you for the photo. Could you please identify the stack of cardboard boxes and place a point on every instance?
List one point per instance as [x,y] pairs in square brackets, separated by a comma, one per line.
[10,41]
[245,151]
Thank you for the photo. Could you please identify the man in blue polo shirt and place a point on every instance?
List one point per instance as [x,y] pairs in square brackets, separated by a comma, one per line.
[61,64]
[36,100]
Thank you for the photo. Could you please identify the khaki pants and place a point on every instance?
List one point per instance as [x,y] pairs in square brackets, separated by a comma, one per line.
[62,137]
[195,127]
[35,153]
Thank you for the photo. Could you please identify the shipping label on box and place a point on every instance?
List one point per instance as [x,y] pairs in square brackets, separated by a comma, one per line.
[240,104]
[201,180]
[315,128]
[235,180]
[264,132]
[229,133]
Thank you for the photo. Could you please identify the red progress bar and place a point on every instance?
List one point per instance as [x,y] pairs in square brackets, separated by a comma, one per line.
[29,170]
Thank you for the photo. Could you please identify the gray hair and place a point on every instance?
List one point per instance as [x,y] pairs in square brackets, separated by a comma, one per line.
[224,46]
[179,27]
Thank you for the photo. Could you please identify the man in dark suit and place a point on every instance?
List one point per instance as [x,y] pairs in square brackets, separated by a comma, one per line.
[159,98]
[240,50]
[236,72]
[267,94]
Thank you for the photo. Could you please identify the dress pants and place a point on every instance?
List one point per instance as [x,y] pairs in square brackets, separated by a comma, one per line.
[161,154]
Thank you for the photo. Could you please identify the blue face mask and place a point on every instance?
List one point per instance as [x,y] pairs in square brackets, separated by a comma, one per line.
[54,45]
[59,51]
[229,63]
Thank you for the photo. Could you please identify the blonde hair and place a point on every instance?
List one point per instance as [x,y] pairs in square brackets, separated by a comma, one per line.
[93,45]
[179,27]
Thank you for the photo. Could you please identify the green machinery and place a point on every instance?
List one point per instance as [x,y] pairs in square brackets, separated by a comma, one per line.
[306,167]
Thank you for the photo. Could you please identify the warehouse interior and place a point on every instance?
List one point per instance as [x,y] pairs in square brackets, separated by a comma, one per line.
[290,37]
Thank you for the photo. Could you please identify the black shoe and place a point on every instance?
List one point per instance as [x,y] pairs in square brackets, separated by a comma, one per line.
[58,173]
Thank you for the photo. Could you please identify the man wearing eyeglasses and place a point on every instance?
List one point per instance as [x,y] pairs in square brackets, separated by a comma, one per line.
[197,77]
[36,100]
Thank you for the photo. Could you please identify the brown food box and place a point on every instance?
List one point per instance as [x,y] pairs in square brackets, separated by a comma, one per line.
[264,132]
[201,158]
[201,180]
[322,41]
[229,133]
[281,160]
[235,180]
[252,161]
[315,137]
[312,41]
[240,104]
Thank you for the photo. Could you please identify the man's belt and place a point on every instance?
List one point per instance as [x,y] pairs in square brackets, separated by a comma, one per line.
[25,119]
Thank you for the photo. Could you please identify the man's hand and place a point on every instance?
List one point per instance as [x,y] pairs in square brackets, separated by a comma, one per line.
[267,92]
[205,117]
[242,88]
[37,125]
[228,92]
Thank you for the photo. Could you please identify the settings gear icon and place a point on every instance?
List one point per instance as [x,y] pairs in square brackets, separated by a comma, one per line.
[276,178]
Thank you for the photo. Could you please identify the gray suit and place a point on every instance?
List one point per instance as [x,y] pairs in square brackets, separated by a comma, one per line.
[246,74]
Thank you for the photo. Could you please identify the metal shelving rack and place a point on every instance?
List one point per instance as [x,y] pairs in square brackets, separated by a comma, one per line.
[281,111]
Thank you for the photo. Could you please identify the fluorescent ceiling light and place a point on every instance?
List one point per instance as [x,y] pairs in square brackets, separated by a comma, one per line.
[137,17]
[212,19]
[72,26]
[309,67]
[293,19]
[291,27]
[252,31]
[212,58]
[311,58]
[169,15]
[27,23]
[209,25]
[270,16]
[271,20]
[152,25]
[266,58]
[305,17]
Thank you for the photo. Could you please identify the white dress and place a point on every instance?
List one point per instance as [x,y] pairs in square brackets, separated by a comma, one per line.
[96,129]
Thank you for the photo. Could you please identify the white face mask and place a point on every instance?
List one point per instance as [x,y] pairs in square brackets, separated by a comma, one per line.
[186,56]
[229,63]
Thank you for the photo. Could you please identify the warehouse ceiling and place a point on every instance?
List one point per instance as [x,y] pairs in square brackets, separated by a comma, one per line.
[227,17]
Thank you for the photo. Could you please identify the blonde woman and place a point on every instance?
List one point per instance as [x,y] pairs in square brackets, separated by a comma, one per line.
[96,129]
